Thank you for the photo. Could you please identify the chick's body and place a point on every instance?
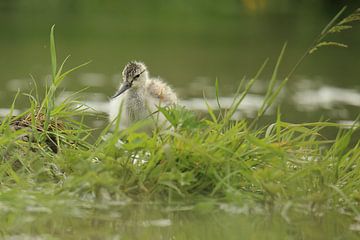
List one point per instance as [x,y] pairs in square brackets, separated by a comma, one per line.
[139,97]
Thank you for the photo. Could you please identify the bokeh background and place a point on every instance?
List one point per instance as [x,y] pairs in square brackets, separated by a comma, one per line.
[188,43]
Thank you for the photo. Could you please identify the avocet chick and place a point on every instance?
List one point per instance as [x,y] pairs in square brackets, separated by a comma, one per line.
[139,97]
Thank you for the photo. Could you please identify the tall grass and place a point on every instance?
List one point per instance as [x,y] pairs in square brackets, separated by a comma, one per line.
[46,149]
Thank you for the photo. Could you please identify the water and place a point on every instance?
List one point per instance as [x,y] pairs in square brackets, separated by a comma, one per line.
[202,220]
[189,44]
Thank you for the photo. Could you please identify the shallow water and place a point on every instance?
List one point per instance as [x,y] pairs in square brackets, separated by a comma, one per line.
[202,220]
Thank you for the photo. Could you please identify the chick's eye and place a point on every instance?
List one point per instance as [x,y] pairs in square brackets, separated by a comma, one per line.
[136,76]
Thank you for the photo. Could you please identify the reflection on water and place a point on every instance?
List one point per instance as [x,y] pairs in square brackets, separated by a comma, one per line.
[92,79]
[15,85]
[248,107]
[307,98]
[199,220]
[327,97]
[157,223]
[311,97]
[6,111]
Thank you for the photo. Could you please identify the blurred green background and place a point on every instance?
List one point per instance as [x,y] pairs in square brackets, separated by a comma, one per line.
[188,43]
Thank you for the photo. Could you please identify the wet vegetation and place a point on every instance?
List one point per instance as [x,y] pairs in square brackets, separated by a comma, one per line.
[57,176]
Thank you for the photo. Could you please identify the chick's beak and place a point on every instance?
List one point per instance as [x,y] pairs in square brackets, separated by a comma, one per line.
[125,86]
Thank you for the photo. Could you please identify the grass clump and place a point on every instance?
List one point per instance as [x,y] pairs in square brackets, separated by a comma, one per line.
[283,166]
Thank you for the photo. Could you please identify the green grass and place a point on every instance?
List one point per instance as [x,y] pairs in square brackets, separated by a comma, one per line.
[48,161]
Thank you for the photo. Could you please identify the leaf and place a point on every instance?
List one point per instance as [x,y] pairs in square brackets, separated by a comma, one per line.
[270,93]
[210,110]
[53,52]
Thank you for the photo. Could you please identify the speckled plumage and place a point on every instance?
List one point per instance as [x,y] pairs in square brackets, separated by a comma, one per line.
[141,97]
[132,68]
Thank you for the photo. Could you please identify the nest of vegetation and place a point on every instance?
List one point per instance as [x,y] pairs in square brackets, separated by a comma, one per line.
[36,129]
